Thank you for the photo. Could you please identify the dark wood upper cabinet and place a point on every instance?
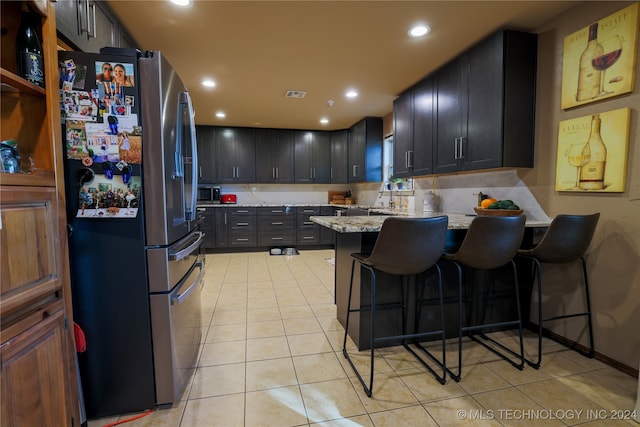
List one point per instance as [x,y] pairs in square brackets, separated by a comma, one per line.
[365,150]
[88,25]
[207,172]
[486,105]
[413,120]
[312,157]
[274,156]
[235,150]
[339,156]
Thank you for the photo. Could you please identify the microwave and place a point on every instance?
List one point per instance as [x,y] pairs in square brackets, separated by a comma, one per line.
[208,193]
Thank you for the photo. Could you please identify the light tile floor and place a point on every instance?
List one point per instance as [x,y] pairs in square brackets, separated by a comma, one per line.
[271,356]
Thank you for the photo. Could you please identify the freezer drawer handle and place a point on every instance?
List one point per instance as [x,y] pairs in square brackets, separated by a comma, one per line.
[182,254]
[178,299]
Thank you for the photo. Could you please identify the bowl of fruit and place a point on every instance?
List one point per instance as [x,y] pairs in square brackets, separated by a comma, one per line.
[496,207]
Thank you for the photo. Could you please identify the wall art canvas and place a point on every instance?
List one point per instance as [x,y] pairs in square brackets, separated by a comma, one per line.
[599,60]
[592,152]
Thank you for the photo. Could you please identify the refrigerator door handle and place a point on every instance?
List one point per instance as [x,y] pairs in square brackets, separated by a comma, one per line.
[191,201]
[180,297]
[183,253]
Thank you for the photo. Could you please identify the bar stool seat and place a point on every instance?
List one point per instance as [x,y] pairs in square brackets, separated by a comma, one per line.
[404,247]
[565,241]
[491,242]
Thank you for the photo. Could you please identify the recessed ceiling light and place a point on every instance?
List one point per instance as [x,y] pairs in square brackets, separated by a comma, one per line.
[208,83]
[182,3]
[419,30]
[324,120]
[221,115]
[351,94]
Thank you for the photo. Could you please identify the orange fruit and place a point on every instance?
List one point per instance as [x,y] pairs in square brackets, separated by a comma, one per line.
[486,202]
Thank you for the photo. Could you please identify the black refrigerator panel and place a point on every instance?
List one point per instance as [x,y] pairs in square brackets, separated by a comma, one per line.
[169,177]
[108,263]
[111,305]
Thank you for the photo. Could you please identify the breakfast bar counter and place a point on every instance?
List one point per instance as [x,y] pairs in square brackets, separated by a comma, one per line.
[358,234]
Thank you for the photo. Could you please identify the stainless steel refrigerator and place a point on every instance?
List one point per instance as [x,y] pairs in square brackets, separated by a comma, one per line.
[136,272]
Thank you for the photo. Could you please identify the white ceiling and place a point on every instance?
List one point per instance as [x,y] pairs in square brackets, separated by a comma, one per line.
[257,50]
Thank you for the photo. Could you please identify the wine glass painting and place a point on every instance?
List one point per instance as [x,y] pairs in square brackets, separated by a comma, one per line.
[599,60]
[578,155]
[611,51]
[592,152]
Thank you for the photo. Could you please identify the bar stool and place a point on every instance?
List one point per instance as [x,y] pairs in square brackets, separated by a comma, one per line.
[404,247]
[490,242]
[566,240]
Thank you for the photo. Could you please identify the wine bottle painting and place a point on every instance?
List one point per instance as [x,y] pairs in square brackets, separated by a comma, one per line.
[592,152]
[599,60]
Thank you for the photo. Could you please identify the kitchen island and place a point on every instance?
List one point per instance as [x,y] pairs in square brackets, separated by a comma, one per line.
[359,233]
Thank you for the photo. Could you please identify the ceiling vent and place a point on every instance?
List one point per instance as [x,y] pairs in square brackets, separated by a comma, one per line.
[295,94]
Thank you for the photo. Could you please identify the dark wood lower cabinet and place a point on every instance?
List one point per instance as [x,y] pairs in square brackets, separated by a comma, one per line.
[258,228]
[276,226]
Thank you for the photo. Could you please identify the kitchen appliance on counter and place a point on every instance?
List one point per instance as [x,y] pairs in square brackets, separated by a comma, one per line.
[229,198]
[131,188]
[209,193]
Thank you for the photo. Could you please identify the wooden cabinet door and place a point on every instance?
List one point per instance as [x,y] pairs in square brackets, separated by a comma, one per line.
[303,157]
[321,157]
[206,154]
[282,157]
[103,26]
[245,156]
[421,160]
[357,141]
[402,134]
[339,157]
[450,118]
[33,376]
[225,149]
[482,148]
[28,236]
[222,230]
[274,156]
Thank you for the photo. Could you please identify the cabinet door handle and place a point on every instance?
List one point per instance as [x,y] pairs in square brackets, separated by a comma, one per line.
[225,218]
[355,170]
[455,148]
[242,239]
[277,223]
[200,172]
[94,33]
[277,173]
[242,211]
[277,238]
[242,224]
[462,138]
[308,238]
[276,211]
[308,222]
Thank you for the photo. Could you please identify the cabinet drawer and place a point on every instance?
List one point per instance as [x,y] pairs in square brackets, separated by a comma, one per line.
[308,237]
[277,210]
[305,223]
[242,223]
[277,239]
[310,210]
[272,223]
[237,238]
[242,211]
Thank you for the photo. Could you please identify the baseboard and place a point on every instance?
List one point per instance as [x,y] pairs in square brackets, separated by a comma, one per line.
[633,372]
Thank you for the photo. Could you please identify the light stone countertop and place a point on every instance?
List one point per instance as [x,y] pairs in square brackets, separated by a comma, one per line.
[363,224]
